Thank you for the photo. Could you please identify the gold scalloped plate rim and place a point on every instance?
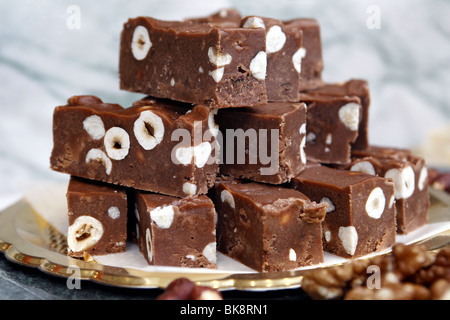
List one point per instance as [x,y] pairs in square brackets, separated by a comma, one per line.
[17,249]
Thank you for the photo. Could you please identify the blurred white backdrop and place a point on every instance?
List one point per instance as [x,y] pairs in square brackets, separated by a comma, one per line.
[51,50]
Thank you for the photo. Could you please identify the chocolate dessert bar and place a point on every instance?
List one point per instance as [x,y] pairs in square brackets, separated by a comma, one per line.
[97,214]
[410,175]
[264,143]
[311,55]
[155,145]
[176,232]
[360,216]
[214,64]
[353,87]
[267,227]
[332,124]
[284,57]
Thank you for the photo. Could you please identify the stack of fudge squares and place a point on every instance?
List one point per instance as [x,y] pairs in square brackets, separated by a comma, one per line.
[239,147]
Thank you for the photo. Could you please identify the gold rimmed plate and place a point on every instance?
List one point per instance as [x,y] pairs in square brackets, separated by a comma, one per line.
[30,236]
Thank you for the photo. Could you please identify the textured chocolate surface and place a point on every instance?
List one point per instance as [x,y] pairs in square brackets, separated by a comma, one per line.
[284,57]
[267,228]
[201,63]
[138,146]
[97,214]
[331,127]
[410,175]
[176,232]
[264,143]
[353,87]
[360,215]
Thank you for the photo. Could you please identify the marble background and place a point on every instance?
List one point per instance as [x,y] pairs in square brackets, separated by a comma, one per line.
[47,56]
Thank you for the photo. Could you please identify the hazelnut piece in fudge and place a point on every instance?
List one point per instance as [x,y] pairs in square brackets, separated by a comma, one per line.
[360,215]
[97,214]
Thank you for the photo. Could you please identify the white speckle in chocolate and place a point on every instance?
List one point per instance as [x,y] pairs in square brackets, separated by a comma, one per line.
[258,65]
[403,181]
[226,196]
[117,143]
[94,127]
[297,59]
[275,39]
[375,203]
[349,115]
[140,43]
[114,213]
[100,155]
[163,216]
[349,239]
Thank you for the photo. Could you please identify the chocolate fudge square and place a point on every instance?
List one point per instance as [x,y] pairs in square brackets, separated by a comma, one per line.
[176,232]
[311,55]
[284,48]
[264,143]
[332,124]
[267,227]
[352,88]
[97,214]
[155,145]
[410,176]
[201,63]
[360,216]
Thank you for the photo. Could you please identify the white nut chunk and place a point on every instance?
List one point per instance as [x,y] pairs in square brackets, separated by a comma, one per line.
[292,255]
[275,39]
[100,156]
[349,115]
[84,233]
[114,212]
[375,203]
[403,181]
[363,166]
[149,244]
[94,127]
[349,239]
[226,196]
[189,189]
[163,216]
[302,150]
[330,205]
[422,178]
[258,65]
[254,23]
[140,43]
[219,59]
[148,130]
[212,125]
[117,143]
[200,154]
[209,252]
[297,59]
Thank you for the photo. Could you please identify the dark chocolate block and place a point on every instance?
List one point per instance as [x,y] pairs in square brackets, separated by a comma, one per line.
[353,87]
[266,227]
[154,145]
[331,127]
[176,232]
[410,175]
[97,214]
[200,63]
[284,57]
[263,143]
[311,56]
[360,215]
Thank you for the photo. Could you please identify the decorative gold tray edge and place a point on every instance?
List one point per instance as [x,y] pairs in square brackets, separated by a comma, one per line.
[17,249]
